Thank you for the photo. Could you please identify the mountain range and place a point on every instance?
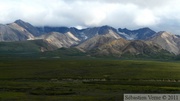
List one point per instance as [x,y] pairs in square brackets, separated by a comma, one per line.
[97,41]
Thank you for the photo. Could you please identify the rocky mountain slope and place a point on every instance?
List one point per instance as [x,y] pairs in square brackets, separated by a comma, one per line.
[97,41]
[167,41]
[14,32]
[60,40]
[28,27]
[119,47]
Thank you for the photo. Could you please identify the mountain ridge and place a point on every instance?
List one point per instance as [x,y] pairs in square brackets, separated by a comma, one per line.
[103,40]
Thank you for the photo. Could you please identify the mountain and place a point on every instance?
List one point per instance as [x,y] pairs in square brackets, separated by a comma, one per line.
[98,40]
[103,40]
[30,28]
[139,34]
[57,36]
[47,29]
[108,46]
[91,32]
[60,40]
[21,30]
[14,32]
[87,33]
[167,41]
[142,47]
[111,48]
[83,34]
[77,33]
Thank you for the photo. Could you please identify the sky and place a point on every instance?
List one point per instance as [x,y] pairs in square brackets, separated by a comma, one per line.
[159,15]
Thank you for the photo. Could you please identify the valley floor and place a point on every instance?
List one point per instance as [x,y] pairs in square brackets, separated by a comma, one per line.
[85,80]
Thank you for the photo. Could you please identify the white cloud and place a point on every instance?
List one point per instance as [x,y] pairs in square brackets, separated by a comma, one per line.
[117,13]
[146,18]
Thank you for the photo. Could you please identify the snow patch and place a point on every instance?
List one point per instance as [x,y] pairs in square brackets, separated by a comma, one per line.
[83,35]
[129,37]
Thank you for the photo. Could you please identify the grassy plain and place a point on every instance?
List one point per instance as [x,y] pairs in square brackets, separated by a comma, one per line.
[84,79]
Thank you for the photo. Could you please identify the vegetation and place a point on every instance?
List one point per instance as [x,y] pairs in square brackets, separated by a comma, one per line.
[84,80]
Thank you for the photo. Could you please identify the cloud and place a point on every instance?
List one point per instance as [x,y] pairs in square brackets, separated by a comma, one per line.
[146,18]
[157,14]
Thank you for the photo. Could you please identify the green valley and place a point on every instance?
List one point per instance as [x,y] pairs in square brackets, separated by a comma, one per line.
[87,79]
